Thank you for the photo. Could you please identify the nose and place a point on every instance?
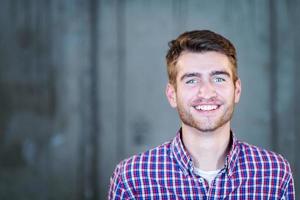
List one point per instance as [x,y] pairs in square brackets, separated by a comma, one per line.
[207,90]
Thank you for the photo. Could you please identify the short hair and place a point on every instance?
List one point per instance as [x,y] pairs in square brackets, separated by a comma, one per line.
[199,41]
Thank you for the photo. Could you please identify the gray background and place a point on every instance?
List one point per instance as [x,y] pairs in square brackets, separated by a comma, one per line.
[82,85]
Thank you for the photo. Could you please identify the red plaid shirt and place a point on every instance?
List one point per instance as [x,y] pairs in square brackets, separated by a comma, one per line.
[166,172]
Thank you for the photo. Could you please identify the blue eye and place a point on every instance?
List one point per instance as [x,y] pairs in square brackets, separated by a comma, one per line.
[219,80]
[192,81]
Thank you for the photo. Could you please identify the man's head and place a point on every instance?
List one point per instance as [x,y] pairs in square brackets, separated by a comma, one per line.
[199,41]
[203,82]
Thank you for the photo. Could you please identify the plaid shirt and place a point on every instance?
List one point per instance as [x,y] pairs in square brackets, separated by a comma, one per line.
[166,172]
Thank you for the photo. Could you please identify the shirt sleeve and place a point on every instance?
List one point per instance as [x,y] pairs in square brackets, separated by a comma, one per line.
[117,189]
[290,191]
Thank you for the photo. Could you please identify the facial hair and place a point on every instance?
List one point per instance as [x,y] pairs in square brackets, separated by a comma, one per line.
[208,123]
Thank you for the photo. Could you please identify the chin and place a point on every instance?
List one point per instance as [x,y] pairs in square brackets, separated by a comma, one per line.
[209,127]
[206,129]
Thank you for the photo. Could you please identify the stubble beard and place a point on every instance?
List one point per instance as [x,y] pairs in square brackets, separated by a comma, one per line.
[207,124]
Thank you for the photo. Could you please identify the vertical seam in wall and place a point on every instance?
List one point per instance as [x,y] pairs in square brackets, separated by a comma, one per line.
[273,74]
[296,113]
[179,9]
[94,104]
[121,77]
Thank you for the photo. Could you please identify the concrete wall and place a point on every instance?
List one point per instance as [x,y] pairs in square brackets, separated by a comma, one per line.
[82,85]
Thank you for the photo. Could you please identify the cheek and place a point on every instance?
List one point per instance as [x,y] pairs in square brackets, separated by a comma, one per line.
[187,94]
[226,94]
[183,97]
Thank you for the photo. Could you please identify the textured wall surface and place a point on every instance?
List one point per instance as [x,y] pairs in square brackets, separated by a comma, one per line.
[82,85]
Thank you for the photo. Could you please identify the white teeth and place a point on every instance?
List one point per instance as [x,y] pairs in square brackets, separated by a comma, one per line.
[206,107]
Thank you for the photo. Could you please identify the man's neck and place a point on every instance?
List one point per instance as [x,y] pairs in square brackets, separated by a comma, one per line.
[207,149]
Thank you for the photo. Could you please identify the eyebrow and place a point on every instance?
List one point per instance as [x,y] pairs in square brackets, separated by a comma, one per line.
[188,75]
[221,72]
[196,74]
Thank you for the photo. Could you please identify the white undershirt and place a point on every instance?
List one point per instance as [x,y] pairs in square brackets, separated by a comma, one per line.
[207,175]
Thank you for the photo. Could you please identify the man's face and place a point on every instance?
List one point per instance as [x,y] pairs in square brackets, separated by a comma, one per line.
[205,93]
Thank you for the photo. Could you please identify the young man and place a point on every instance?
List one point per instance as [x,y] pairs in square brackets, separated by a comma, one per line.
[205,160]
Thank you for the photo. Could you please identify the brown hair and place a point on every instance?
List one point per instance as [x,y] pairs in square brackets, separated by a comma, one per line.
[199,41]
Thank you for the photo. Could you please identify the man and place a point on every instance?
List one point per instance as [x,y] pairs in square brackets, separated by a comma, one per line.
[205,160]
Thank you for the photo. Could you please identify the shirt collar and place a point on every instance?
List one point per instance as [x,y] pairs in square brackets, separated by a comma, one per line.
[233,154]
[181,155]
[185,161]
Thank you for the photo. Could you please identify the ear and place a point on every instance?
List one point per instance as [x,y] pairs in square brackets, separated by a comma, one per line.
[238,90]
[171,95]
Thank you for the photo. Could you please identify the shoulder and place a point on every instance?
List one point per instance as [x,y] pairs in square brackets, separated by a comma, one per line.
[135,167]
[146,158]
[261,159]
[129,174]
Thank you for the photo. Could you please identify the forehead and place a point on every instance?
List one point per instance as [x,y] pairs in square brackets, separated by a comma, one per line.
[203,63]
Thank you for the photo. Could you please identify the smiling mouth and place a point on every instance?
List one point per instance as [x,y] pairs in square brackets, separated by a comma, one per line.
[206,107]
